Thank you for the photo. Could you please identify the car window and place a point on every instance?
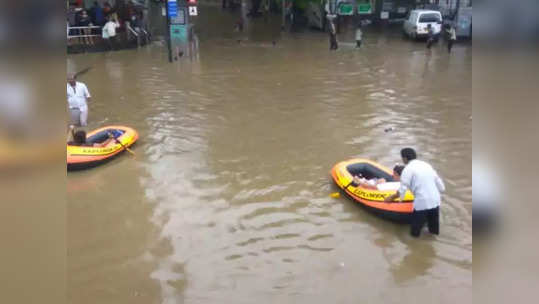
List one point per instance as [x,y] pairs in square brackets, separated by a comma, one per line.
[429,17]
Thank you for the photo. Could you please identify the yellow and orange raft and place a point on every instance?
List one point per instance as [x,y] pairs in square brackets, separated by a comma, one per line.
[372,199]
[83,157]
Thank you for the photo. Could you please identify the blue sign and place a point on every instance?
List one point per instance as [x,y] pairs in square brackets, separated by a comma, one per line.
[172,8]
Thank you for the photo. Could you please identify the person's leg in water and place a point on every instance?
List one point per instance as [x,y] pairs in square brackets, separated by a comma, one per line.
[84,116]
[108,44]
[75,116]
[433,220]
[449,45]
[333,42]
[417,221]
[113,43]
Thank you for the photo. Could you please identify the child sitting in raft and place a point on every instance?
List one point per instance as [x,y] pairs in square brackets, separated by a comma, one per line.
[380,183]
[79,139]
[395,185]
[367,183]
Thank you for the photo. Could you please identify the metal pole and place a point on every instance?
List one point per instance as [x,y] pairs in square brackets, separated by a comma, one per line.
[169,46]
[284,16]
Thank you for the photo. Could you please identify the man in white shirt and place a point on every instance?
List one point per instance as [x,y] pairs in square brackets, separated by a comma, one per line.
[77,95]
[426,185]
[109,32]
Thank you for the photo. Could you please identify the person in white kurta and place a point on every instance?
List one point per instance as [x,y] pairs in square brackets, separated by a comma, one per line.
[424,182]
[77,97]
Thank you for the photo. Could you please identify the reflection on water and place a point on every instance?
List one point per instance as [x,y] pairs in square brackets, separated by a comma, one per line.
[227,198]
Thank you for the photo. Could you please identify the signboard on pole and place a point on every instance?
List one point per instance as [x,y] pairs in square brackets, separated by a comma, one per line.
[172,8]
[193,11]
[180,17]
[364,7]
[346,9]
[178,34]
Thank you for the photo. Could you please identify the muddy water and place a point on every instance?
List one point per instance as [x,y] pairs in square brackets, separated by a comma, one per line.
[226,200]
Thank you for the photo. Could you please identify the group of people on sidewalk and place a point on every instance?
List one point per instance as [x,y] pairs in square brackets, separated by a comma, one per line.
[106,17]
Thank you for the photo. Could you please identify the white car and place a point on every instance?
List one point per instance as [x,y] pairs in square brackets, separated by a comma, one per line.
[416,25]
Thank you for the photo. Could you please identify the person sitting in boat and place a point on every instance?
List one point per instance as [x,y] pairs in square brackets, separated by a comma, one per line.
[397,172]
[395,184]
[361,181]
[79,139]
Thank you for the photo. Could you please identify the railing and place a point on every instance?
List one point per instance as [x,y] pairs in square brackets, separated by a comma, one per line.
[137,33]
[92,35]
[81,29]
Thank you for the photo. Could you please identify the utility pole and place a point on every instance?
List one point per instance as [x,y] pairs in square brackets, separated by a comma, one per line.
[284,15]
[169,46]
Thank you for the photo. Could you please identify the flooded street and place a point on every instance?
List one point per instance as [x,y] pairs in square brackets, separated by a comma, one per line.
[227,199]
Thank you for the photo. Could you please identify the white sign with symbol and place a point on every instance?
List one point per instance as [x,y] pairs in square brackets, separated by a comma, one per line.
[193,11]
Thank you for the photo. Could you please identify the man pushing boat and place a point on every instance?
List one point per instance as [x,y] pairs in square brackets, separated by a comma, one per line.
[426,185]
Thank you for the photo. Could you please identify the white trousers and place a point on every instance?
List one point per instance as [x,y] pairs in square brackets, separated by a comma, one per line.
[79,116]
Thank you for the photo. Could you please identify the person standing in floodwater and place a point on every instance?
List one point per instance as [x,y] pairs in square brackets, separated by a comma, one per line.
[109,32]
[333,45]
[359,36]
[430,36]
[426,185]
[452,37]
[77,96]
[266,10]
[239,25]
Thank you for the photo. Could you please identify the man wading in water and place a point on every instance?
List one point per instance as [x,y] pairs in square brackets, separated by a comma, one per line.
[430,36]
[452,37]
[77,95]
[426,185]
[359,36]
[333,45]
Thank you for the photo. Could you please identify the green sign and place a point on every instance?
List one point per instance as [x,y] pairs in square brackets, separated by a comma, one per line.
[346,9]
[364,8]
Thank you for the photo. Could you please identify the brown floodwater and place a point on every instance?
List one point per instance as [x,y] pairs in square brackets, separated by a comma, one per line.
[227,199]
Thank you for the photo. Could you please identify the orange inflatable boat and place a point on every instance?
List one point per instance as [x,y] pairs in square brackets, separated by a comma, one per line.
[373,197]
[83,157]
